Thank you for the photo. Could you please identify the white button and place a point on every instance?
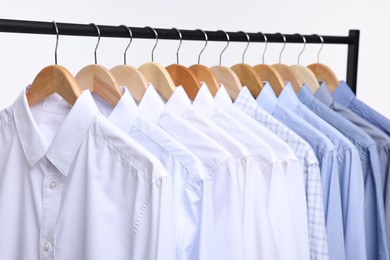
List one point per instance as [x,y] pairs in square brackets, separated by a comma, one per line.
[47,246]
[53,185]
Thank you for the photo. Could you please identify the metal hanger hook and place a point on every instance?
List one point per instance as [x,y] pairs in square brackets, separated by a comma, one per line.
[322,46]
[131,40]
[206,38]
[304,47]
[227,44]
[155,45]
[284,46]
[178,48]
[97,44]
[247,45]
[57,39]
[265,46]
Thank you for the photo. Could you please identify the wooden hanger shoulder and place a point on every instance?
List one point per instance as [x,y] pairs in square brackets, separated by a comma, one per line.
[289,75]
[53,79]
[324,73]
[99,80]
[159,77]
[307,77]
[229,79]
[271,75]
[204,74]
[132,78]
[184,77]
[249,78]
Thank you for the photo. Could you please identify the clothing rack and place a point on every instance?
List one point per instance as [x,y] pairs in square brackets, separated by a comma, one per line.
[37,27]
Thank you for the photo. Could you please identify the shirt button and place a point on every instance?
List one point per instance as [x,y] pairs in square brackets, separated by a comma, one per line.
[53,185]
[47,246]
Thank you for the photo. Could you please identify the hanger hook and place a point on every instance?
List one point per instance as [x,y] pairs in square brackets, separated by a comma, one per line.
[57,39]
[265,47]
[227,44]
[155,45]
[284,46]
[322,46]
[178,48]
[304,47]
[247,45]
[206,38]
[131,40]
[97,44]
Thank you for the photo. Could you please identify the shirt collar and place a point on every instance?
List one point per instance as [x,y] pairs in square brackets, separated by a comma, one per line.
[267,98]
[179,102]
[222,98]
[125,112]
[68,139]
[343,94]
[305,95]
[204,101]
[151,105]
[245,99]
[288,97]
[323,94]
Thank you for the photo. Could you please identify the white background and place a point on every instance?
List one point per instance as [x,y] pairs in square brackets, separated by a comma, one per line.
[22,56]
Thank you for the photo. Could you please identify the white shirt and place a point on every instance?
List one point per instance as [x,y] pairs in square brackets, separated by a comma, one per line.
[72,186]
[221,168]
[258,233]
[192,200]
[293,171]
[279,206]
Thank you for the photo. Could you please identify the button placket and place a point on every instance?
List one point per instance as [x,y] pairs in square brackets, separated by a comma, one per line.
[52,187]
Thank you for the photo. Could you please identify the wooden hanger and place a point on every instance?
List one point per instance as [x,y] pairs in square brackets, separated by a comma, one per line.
[227,76]
[129,76]
[159,77]
[268,73]
[53,79]
[304,73]
[157,74]
[286,72]
[289,75]
[229,79]
[183,76]
[247,75]
[99,80]
[307,76]
[203,73]
[323,72]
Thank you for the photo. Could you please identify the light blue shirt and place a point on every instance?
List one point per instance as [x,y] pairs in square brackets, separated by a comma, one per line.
[366,146]
[344,96]
[326,155]
[350,173]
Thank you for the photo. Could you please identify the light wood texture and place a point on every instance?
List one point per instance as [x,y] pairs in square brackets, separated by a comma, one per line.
[53,79]
[229,79]
[289,75]
[268,73]
[99,80]
[184,77]
[132,78]
[307,76]
[324,73]
[204,74]
[249,78]
[159,77]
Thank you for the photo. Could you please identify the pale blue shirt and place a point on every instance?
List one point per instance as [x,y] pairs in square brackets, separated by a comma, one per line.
[375,217]
[350,172]
[344,96]
[326,155]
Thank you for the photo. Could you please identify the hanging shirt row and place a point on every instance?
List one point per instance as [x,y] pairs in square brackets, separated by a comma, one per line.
[292,176]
